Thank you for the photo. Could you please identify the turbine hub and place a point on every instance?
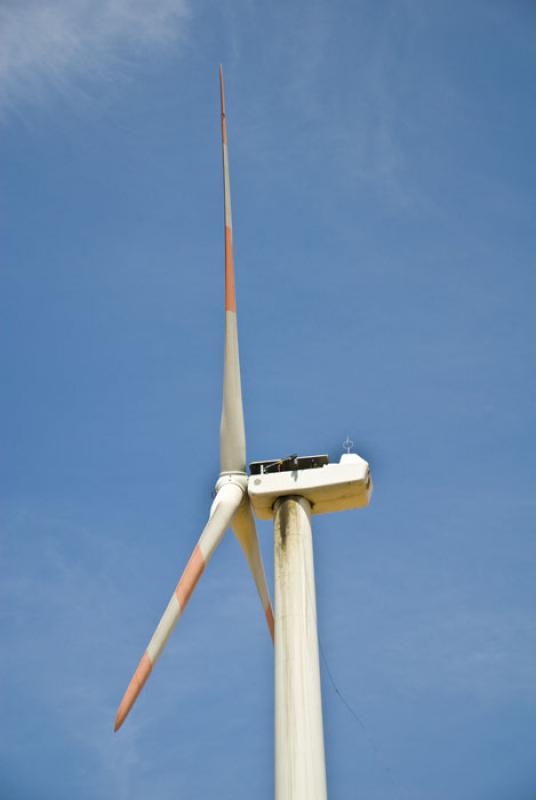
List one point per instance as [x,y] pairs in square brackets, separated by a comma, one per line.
[239,479]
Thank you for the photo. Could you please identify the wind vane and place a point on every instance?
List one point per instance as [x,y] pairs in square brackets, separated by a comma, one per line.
[348,444]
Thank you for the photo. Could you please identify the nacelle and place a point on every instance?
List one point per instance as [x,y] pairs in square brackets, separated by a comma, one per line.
[327,487]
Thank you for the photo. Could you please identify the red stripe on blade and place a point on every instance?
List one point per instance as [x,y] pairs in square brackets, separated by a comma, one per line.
[135,686]
[270,620]
[190,576]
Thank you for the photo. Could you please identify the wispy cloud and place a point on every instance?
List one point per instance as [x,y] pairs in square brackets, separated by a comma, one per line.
[53,44]
[351,119]
[59,620]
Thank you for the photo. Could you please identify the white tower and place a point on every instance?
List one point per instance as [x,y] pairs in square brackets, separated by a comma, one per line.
[291,491]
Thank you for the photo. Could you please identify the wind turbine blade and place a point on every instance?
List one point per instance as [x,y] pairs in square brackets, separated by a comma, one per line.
[227,501]
[245,531]
[232,431]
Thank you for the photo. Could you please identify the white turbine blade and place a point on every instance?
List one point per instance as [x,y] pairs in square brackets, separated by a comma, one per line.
[227,500]
[232,432]
[245,531]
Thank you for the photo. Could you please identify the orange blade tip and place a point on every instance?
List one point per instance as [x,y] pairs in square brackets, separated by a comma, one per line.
[270,621]
[135,686]
[222,92]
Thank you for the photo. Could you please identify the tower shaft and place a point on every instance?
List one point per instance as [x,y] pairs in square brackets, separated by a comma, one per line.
[300,772]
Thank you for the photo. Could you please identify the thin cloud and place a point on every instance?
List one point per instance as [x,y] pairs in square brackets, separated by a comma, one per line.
[53,44]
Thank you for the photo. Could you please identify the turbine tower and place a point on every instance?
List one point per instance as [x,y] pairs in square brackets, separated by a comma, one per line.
[290,491]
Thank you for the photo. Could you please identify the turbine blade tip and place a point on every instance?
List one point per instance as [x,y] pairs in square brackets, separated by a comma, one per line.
[120,717]
[135,686]
[222,93]
[270,620]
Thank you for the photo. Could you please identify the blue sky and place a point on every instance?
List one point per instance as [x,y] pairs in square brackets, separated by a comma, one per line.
[383,173]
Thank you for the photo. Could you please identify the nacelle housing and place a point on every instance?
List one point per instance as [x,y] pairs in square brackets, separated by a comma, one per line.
[328,487]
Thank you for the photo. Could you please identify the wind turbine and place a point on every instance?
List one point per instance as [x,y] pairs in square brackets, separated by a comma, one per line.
[289,490]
